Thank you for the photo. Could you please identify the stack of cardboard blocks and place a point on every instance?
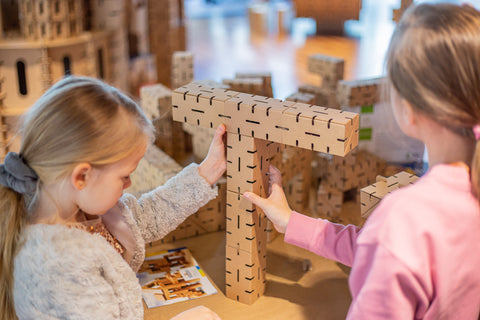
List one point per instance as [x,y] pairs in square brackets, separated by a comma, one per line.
[370,196]
[156,100]
[397,13]
[166,25]
[330,70]
[256,128]
[346,175]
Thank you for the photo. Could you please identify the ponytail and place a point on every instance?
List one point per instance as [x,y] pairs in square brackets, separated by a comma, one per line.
[12,221]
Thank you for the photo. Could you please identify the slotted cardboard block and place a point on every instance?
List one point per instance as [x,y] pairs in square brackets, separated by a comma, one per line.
[245,274]
[320,129]
[246,224]
[329,68]
[370,196]
[329,201]
[359,92]
[256,116]
[199,105]
[248,161]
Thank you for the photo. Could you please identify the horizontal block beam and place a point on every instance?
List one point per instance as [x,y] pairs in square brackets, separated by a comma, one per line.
[297,124]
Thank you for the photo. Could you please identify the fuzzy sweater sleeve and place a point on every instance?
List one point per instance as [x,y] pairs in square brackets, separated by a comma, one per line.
[160,211]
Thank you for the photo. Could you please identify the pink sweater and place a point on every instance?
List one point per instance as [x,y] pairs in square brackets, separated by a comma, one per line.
[417,256]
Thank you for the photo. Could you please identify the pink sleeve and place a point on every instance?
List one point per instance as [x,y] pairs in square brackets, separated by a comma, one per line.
[383,287]
[332,241]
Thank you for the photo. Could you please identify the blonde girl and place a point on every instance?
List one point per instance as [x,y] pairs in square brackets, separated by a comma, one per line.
[417,255]
[70,240]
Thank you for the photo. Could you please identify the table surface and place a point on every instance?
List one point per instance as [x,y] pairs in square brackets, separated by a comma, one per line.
[291,293]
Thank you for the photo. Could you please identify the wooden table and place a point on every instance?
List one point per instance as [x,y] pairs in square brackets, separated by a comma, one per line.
[291,293]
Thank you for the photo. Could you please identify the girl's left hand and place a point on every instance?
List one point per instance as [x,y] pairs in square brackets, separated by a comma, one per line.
[215,163]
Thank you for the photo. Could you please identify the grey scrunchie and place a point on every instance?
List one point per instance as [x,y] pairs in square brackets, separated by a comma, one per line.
[17,175]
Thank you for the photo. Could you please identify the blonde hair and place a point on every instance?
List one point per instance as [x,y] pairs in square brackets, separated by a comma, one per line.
[77,120]
[433,62]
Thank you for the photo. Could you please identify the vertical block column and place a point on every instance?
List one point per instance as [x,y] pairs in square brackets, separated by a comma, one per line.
[248,162]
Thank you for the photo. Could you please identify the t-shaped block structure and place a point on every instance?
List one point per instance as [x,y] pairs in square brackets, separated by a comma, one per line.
[257,128]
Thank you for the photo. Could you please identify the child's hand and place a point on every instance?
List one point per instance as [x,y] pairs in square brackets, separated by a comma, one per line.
[275,206]
[197,313]
[215,163]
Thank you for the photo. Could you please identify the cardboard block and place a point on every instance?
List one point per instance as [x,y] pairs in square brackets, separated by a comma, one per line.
[329,68]
[320,129]
[371,196]
[199,105]
[248,161]
[329,201]
[156,101]
[245,275]
[246,229]
[360,92]
[256,116]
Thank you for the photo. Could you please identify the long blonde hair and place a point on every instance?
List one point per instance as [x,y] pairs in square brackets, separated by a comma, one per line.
[77,120]
[433,62]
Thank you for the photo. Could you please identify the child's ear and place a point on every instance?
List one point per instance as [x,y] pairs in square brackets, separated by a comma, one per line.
[80,175]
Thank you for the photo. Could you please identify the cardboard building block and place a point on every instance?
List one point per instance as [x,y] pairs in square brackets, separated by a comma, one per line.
[329,201]
[329,68]
[296,193]
[320,129]
[371,196]
[323,97]
[356,170]
[246,224]
[256,116]
[156,101]
[245,275]
[182,68]
[199,105]
[248,161]
[359,92]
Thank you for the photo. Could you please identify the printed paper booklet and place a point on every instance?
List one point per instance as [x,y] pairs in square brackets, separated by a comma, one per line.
[172,276]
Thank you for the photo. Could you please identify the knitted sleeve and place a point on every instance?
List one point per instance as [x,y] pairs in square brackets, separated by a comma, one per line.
[160,211]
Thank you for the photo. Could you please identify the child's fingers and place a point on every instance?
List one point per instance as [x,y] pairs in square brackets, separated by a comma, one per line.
[219,132]
[275,176]
[255,199]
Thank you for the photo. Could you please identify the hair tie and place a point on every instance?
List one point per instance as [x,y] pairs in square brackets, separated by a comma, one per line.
[476,131]
[17,175]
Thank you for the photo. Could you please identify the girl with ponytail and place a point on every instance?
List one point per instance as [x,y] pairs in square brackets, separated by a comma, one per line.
[70,240]
[417,255]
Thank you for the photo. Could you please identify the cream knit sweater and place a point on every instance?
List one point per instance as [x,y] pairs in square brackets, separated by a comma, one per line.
[67,273]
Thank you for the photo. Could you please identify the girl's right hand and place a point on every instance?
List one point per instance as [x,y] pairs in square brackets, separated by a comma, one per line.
[197,313]
[275,206]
